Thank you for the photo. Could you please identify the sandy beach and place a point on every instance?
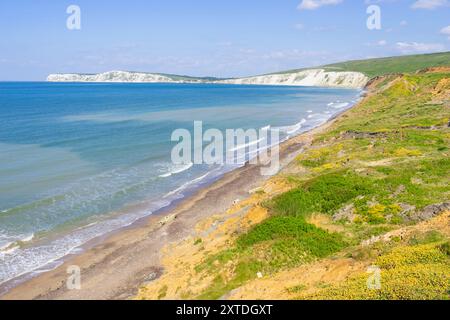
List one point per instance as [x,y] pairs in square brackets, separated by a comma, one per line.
[115,266]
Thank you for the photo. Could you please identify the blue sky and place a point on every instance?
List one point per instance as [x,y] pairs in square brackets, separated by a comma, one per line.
[210,37]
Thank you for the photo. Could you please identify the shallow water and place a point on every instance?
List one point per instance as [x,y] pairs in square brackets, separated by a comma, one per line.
[80,160]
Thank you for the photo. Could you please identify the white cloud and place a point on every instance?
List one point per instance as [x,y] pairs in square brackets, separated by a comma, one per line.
[225,44]
[299,26]
[380,43]
[325,29]
[430,4]
[315,4]
[369,2]
[416,47]
[446,31]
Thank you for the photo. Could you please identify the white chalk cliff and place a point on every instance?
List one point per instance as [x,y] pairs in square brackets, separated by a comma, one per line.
[312,77]
[111,76]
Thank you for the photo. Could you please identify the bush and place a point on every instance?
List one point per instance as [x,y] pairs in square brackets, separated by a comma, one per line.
[407,273]
[324,194]
[290,233]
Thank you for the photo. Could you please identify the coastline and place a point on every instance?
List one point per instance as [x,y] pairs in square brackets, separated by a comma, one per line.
[115,265]
[315,77]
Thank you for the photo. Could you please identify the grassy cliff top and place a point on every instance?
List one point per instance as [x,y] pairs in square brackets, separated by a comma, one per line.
[390,65]
[383,66]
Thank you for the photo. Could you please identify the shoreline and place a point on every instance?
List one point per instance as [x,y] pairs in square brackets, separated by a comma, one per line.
[131,255]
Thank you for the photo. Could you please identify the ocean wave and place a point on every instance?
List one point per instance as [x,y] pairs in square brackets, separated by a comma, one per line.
[177,170]
[9,250]
[292,129]
[25,239]
[340,105]
[246,145]
[186,185]
[200,178]
[11,247]
[6,245]
[21,261]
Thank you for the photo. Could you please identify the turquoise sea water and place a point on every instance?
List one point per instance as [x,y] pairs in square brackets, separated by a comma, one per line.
[81,160]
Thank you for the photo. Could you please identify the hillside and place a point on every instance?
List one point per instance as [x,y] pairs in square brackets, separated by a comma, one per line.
[370,189]
[389,65]
[350,72]
[402,64]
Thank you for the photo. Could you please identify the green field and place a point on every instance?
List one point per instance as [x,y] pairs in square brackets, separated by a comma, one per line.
[405,64]
[391,65]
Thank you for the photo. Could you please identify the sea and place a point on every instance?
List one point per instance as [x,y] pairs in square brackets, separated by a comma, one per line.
[81,160]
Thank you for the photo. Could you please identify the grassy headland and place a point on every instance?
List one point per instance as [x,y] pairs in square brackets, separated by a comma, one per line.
[391,65]
[372,189]
[402,64]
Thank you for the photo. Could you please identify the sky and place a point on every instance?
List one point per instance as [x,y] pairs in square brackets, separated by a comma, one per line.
[221,38]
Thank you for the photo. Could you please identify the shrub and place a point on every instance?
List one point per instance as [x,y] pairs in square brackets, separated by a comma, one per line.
[407,273]
[293,233]
[325,194]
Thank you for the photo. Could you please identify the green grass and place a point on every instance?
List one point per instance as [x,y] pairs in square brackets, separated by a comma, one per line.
[325,194]
[404,104]
[278,243]
[402,64]
[426,238]
[293,235]
[372,191]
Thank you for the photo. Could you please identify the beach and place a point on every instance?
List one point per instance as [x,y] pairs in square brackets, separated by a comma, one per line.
[114,267]
[98,158]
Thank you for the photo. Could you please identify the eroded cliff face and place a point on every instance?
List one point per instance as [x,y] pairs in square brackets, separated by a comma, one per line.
[313,77]
[112,76]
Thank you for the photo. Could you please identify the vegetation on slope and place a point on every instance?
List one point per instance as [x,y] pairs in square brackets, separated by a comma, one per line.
[376,169]
[407,272]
